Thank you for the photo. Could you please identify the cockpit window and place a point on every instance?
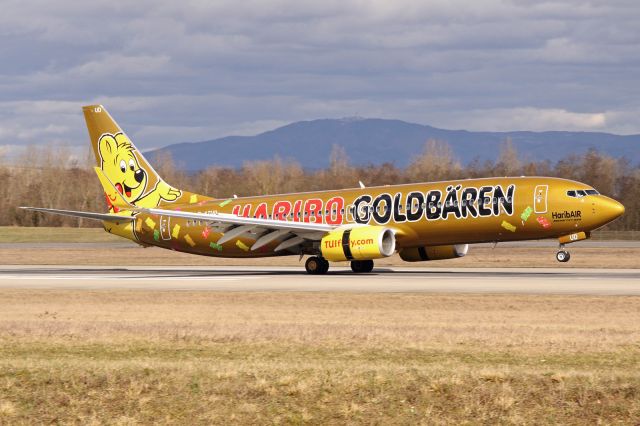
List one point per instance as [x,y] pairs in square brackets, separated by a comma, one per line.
[579,193]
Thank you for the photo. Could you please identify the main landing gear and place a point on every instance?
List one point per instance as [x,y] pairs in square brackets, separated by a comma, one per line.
[562,255]
[316,265]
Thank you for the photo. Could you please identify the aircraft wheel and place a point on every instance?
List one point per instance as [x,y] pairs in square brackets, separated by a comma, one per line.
[359,266]
[325,265]
[563,256]
[316,265]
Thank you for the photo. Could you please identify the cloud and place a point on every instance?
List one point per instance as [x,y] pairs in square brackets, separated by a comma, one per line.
[536,119]
[193,70]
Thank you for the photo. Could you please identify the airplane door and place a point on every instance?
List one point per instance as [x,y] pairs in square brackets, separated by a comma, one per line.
[540,198]
[165,225]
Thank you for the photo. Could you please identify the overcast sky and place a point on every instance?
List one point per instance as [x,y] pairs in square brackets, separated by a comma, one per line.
[197,70]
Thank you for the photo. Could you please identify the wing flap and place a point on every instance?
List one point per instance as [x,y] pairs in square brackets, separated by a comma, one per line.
[235,232]
[291,242]
[267,238]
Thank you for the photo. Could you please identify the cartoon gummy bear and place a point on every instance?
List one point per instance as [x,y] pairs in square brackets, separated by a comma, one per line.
[120,165]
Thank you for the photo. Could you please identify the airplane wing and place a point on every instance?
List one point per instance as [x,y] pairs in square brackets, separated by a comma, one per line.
[290,233]
[87,215]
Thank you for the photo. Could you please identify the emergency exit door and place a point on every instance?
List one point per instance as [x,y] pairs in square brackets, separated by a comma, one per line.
[164,227]
[540,198]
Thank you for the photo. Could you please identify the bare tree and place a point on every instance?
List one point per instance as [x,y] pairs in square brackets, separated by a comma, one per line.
[508,163]
[338,160]
[600,171]
[436,162]
[270,177]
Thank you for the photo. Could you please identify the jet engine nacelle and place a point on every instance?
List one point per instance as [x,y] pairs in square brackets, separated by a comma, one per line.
[361,243]
[419,254]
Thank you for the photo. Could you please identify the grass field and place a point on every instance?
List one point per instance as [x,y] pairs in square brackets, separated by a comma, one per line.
[134,357]
[16,234]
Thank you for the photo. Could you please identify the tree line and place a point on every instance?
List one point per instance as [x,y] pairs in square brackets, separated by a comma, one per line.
[50,177]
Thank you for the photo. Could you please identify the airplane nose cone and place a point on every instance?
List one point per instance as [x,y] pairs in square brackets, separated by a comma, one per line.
[612,209]
[619,209]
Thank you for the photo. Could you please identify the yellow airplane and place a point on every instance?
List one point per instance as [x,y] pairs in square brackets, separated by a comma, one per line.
[422,221]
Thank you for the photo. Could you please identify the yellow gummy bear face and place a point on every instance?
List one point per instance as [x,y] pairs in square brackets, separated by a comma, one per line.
[121,167]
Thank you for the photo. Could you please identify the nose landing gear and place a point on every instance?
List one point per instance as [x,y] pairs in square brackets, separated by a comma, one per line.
[562,255]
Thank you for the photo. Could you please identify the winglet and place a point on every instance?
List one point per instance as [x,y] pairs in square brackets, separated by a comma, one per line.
[114,197]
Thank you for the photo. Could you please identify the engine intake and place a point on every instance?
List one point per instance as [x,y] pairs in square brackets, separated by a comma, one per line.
[361,243]
[419,254]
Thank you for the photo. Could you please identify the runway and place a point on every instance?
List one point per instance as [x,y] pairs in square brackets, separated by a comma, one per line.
[266,279]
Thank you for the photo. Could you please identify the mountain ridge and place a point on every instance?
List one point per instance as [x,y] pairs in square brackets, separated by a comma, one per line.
[377,140]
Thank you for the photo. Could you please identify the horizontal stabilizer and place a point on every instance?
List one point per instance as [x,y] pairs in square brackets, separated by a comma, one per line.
[87,215]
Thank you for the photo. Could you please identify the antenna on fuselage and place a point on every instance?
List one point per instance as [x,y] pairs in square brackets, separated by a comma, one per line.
[361,184]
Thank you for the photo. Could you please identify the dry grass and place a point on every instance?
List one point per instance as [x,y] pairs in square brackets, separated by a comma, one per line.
[17,234]
[127,357]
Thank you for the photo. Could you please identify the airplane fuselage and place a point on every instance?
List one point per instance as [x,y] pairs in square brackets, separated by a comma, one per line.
[422,214]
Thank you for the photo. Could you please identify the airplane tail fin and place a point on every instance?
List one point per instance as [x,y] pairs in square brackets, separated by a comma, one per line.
[115,200]
[122,167]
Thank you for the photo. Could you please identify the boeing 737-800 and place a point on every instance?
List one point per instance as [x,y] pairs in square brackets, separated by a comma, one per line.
[421,221]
